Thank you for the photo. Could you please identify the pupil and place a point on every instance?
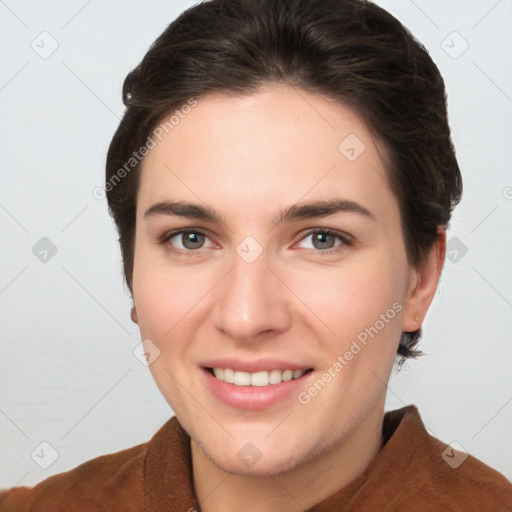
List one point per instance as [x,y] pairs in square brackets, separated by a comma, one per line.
[321,238]
[193,238]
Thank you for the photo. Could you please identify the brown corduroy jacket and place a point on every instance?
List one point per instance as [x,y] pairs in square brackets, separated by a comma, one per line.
[412,472]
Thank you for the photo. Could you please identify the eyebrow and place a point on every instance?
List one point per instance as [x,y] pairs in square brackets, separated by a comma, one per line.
[300,211]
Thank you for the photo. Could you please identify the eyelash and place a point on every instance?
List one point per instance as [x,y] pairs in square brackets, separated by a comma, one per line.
[346,242]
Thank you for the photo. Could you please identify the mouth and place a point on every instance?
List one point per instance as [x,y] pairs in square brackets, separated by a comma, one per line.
[257,379]
[256,390]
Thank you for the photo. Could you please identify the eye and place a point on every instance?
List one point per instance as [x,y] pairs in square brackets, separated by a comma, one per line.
[324,240]
[190,241]
[185,241]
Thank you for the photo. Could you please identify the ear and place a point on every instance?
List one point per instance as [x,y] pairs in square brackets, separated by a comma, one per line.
[133,315]
[423,283]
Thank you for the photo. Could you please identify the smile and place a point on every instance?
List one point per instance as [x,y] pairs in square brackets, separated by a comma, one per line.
[255,390]
[258,379]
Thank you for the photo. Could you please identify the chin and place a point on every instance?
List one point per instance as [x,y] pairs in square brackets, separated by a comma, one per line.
[270,467]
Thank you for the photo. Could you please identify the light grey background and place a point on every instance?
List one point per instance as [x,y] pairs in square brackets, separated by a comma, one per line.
[68,376]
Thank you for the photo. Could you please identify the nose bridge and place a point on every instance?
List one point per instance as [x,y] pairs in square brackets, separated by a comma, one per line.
[252,299]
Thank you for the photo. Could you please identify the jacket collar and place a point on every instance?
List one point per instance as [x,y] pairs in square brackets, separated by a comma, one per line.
[168,479]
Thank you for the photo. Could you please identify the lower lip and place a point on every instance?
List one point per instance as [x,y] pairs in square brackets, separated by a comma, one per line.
[253,398]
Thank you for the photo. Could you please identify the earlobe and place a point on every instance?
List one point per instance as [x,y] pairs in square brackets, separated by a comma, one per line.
[426,279]
[133,315]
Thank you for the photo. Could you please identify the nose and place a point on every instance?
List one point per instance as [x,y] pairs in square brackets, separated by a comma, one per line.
[252,301]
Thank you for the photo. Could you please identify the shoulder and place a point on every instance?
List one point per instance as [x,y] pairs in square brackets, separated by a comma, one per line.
[455,479]
[417,471]
[463,482]
[96,485]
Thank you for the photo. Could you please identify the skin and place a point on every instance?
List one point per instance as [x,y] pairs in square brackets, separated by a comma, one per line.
[249,157]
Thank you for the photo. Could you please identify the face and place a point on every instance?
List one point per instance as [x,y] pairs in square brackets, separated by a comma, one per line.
[238,274]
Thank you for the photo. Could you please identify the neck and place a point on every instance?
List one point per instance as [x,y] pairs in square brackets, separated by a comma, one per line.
[296,490]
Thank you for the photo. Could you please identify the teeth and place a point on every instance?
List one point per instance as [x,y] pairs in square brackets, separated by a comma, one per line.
[287,375]
[258,379]
[275,376]
[229,375]
[242,379]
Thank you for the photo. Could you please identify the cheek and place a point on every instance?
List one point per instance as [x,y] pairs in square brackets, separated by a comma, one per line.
[358,357]
[360,309]
[350,299]
[168,303]
[164,299]
[162,294]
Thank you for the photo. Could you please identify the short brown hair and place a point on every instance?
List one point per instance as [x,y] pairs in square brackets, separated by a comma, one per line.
[349,50]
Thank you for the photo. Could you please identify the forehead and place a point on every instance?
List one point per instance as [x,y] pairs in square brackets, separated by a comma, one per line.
[278,146]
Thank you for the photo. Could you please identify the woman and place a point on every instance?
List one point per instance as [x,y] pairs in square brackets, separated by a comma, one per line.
[282,181]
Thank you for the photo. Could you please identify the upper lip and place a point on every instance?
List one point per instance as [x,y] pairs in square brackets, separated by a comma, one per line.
[253,366]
